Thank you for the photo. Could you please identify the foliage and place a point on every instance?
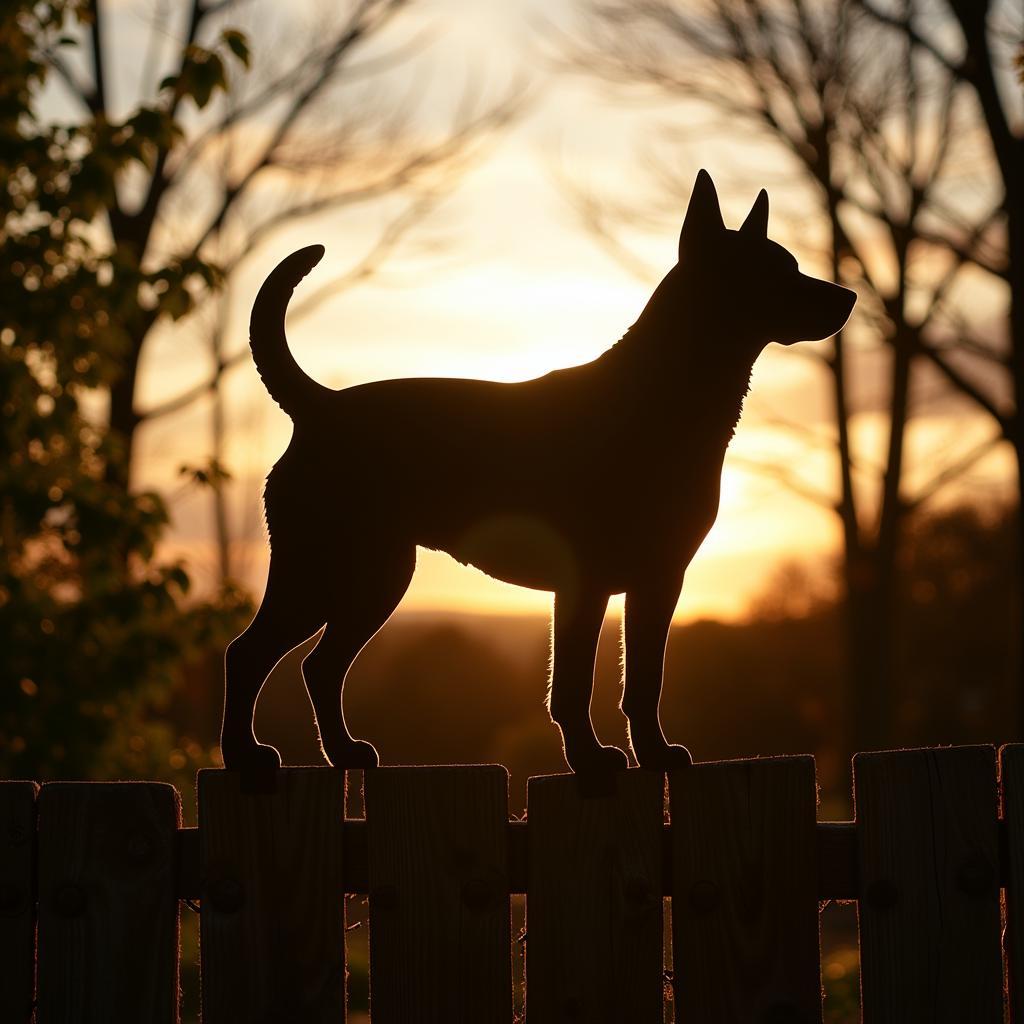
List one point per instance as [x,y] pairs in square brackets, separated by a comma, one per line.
[93,626]
[96,629]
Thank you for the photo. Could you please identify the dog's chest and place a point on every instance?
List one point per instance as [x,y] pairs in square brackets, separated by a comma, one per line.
[605,531]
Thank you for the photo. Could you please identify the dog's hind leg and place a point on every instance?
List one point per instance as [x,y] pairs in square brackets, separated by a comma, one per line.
[372,592]
[577,628]
[289,614]
[648,617]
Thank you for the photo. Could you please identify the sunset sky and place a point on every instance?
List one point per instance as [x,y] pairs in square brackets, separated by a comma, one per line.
[517,288]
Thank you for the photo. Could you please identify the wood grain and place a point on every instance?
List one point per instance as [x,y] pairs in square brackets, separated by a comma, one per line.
[440,926]
[594,904]
[1011,778]
[17,900]
[744,892]
[272,932]
[929,901]
[108,912]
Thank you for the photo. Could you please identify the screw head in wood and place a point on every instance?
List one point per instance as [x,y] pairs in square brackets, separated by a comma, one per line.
[704,896]
[12,899]
[882,894]
[70,900]
[226,895]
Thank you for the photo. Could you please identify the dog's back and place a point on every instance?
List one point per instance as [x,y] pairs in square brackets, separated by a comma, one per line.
[524,479]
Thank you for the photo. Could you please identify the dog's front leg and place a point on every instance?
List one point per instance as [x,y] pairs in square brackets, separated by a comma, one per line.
[577,628]
[648,617]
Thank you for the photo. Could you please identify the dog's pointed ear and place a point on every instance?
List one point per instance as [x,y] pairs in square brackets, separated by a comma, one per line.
[703,220]
[756,224]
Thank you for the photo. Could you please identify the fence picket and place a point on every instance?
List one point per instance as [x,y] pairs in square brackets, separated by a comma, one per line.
[929,897]
[272,932]
[744,891]
[440,941]
[17,902]
[594,903]
[1011,777]
[108,911]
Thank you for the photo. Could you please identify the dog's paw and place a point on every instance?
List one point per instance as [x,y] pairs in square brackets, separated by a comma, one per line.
[666,757]
[599,761]
[357,754]
[252,759]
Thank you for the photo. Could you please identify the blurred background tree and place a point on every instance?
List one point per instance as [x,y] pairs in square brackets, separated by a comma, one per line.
[884,166]
[121,214]
[94,626]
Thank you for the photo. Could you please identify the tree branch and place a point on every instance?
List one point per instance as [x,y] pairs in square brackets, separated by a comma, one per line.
[362,271]
[413,167]
[952,471]
[193,394]
[785,476]
[80,90]
[139,227]
[905,26]
[99,89]
[959,381]
[371,262]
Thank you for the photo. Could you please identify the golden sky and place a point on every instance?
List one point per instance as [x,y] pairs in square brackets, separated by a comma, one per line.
[518,289]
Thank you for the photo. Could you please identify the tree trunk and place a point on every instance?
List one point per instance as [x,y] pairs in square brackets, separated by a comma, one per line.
[1015,669]
[1008,148]
[869,636]
[124,422]
[855,663]
[218,432]
[871,575]
[1015,232]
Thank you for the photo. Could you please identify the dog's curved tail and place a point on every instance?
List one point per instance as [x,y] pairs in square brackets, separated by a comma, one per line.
[288,384]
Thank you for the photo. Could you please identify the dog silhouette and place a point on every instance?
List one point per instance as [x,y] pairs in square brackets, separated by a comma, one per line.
[514,479]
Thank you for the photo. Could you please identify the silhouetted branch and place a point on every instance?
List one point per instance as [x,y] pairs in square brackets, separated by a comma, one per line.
[371,261]
[905,25]
[80,90]
[98,102]
[366,267]
[953,471]
[140,226]
[593,215]
[429,159]
[784,475]
[219,6]
[367,17]
[193,394]
[961,383]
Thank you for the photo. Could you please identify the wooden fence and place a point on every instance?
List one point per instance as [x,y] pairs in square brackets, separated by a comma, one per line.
[91,876]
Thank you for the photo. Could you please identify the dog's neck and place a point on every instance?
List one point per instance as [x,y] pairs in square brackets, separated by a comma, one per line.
[682,376]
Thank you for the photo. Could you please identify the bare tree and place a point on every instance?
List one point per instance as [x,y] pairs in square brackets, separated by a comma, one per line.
[977,43]
[875,130]
[310,129]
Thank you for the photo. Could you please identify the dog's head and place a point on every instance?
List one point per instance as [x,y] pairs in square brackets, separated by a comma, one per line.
[752,283]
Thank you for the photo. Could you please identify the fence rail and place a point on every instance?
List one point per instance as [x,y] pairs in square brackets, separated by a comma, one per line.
[91,875]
